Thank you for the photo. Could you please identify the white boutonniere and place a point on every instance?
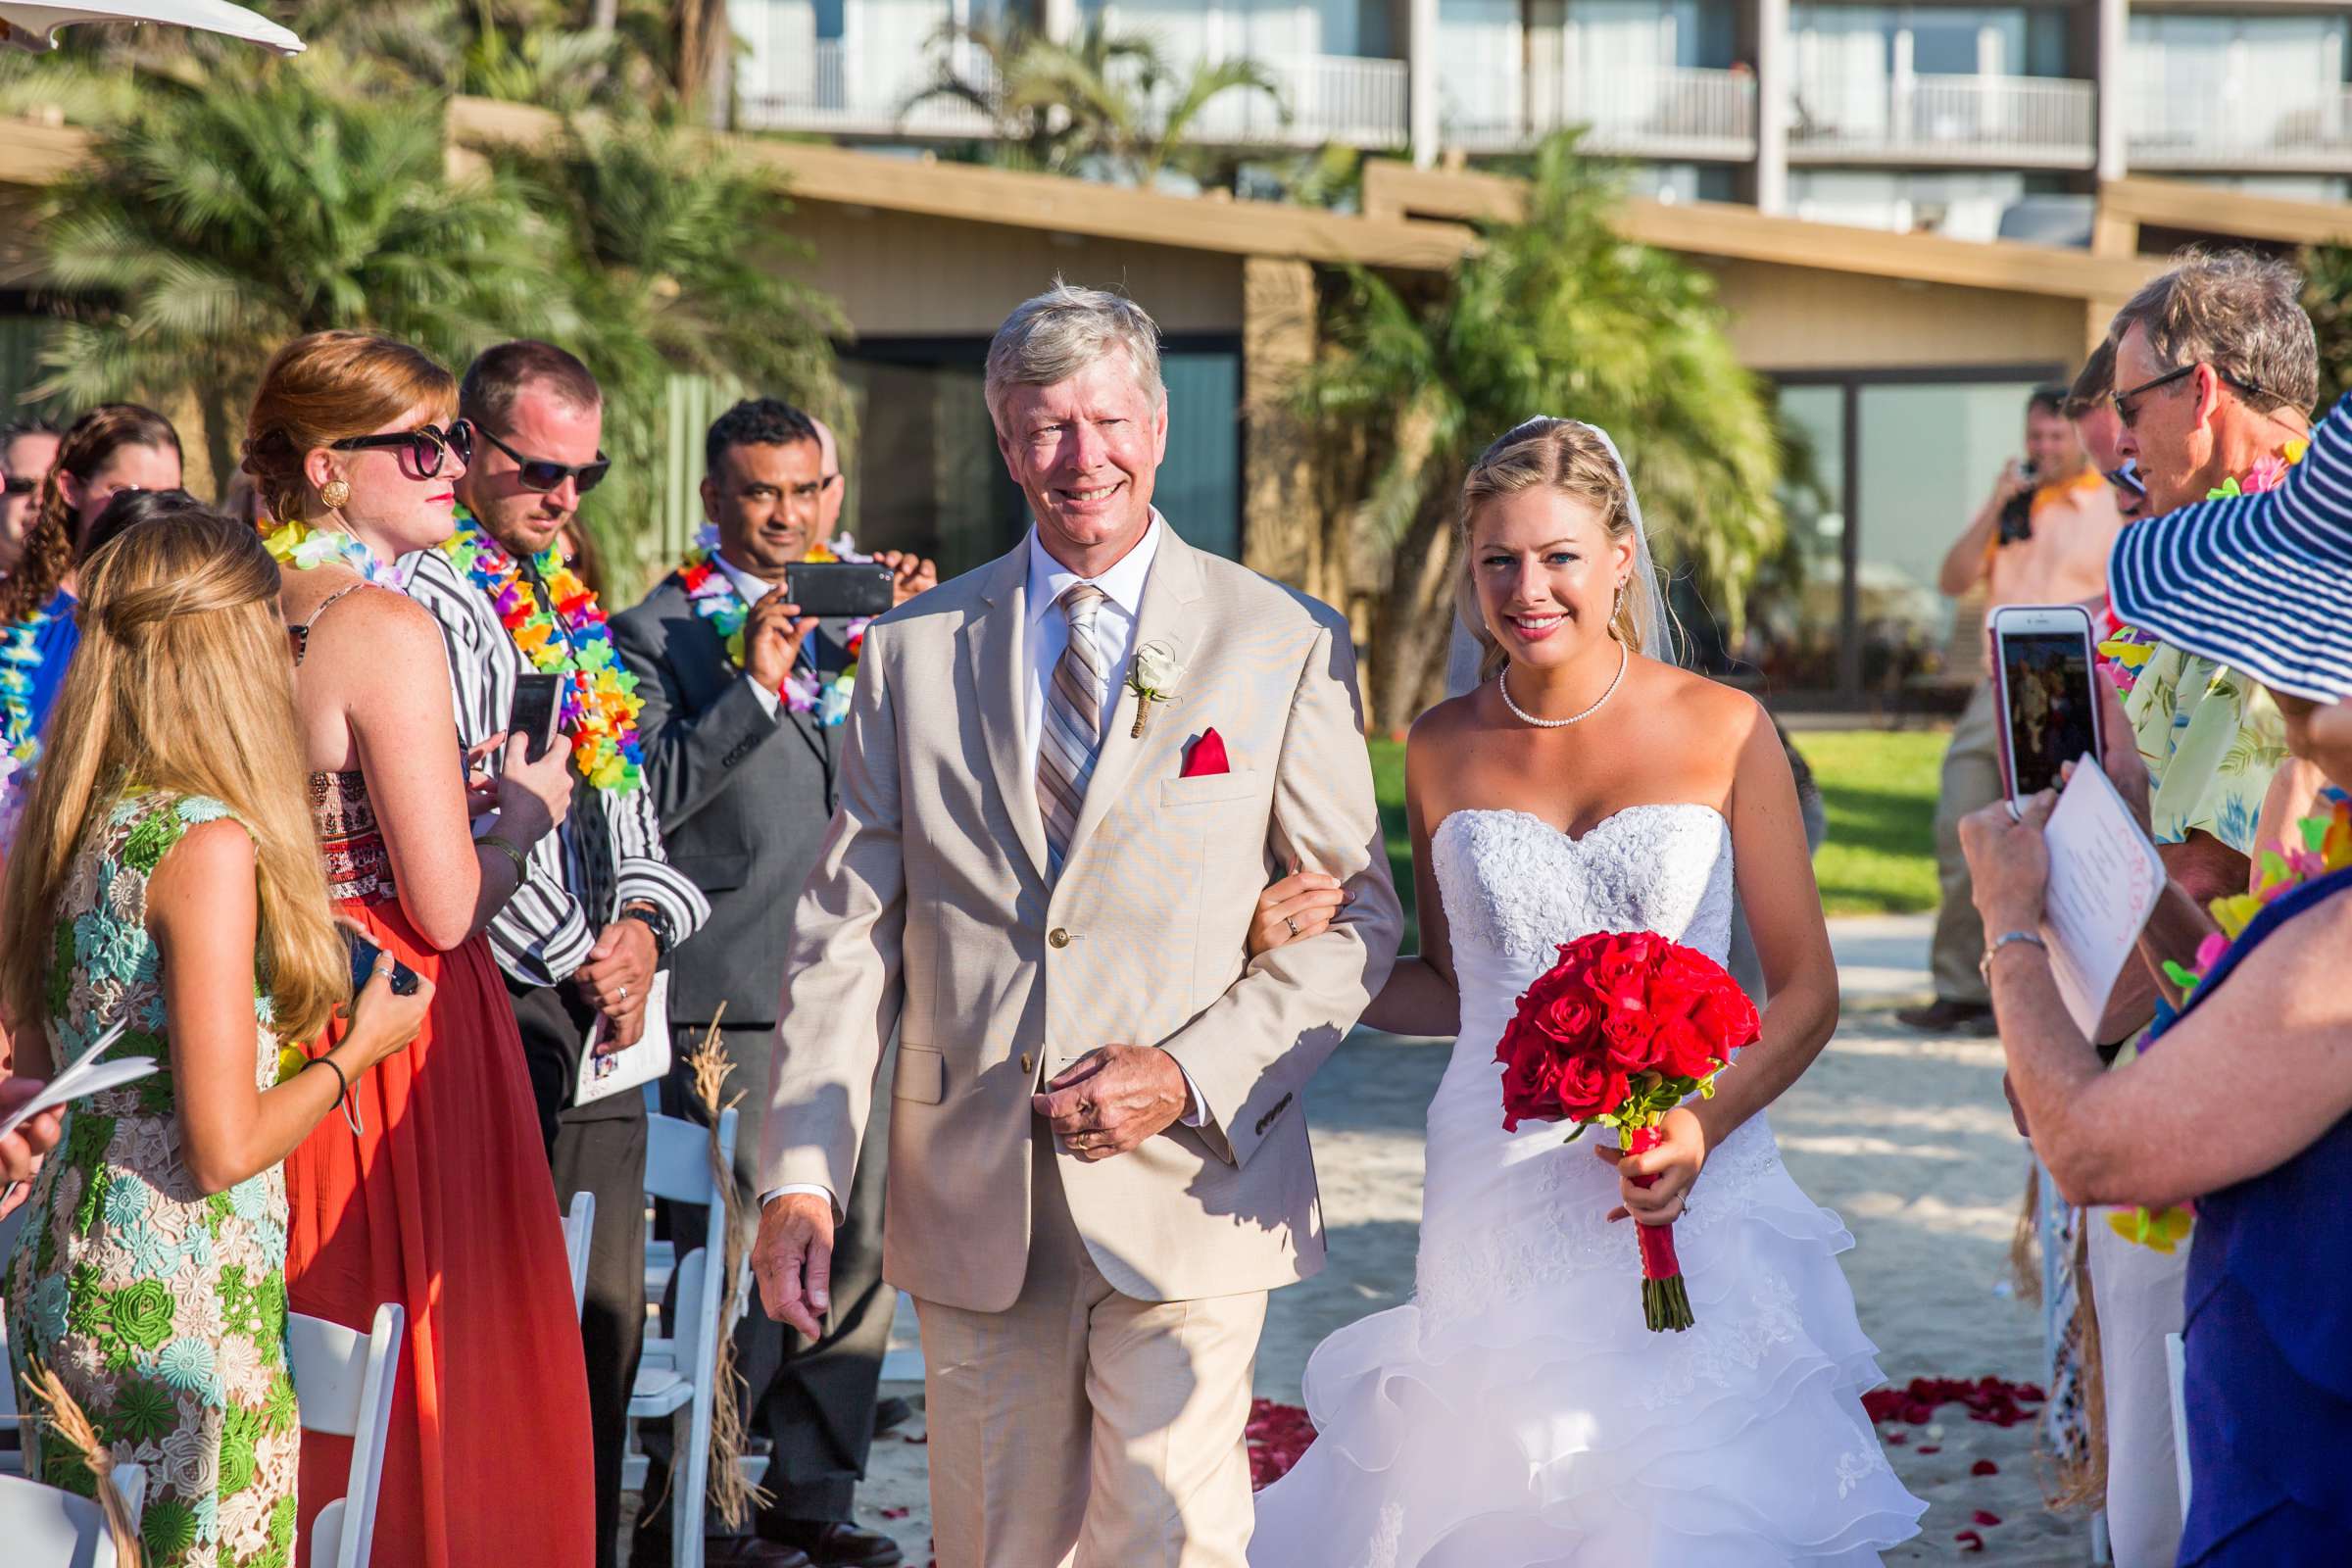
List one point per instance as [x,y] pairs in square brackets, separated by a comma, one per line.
[1152,677]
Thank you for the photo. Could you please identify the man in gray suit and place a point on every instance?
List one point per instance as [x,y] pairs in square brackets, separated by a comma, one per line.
[742,730]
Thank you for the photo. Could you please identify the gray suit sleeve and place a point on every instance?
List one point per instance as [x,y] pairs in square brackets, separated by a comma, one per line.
[687,755]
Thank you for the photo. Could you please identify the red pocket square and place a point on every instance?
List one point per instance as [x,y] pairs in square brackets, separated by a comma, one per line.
[1207,757]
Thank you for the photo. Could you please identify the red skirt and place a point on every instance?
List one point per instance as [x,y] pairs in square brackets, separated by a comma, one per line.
[442,1203]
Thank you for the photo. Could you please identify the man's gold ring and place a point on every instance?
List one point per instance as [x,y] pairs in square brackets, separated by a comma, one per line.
[1292,921]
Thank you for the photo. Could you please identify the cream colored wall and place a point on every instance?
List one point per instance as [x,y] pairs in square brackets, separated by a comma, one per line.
[1797,318]
[897,274]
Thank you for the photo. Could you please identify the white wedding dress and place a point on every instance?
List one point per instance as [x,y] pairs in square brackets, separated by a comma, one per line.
[1517,1412]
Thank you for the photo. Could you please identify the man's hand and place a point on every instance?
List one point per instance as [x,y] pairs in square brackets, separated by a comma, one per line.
[911,575]
[793,1258]
[1111,1099]
[619,971]
[772,634]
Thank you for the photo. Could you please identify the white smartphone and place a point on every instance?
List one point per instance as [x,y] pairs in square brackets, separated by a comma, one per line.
[2047,708]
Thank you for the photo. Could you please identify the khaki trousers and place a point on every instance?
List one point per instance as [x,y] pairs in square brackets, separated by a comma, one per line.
[1085,1429]
[1972,781]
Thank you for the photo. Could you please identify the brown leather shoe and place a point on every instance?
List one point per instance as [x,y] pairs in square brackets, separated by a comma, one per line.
[830,1543]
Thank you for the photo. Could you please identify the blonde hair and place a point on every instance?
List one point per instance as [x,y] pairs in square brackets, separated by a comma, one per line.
[317,390]
[183,682]
[1570,458]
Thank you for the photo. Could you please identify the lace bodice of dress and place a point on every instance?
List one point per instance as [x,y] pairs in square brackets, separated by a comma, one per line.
[1516,887]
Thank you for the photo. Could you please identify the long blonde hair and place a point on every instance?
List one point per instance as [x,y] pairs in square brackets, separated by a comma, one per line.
[1572,459]
[183,682]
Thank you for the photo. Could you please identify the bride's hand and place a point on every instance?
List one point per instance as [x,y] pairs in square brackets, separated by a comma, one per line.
[1676,1163]
[1299,905]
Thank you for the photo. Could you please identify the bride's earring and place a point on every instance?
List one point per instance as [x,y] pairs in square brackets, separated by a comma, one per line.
[1617,611]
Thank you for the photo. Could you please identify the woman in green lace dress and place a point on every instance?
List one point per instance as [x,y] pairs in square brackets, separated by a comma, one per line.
[189,906]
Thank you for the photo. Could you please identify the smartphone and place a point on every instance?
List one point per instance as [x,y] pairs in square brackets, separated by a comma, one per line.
[364,955]
[2017,512]
[538,700]
[2049,710]
[839,589]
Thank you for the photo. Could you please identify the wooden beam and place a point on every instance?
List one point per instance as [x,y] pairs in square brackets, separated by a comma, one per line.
[2227,214]
[1048,202]
[34,155]
[1742,234]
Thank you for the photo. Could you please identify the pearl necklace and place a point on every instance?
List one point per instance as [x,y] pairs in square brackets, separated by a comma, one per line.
[1625,656]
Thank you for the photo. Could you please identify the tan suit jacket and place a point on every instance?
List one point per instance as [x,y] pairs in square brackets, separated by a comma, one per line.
[930,912]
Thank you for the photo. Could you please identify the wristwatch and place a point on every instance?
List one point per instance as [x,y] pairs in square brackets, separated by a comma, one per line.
[650,915]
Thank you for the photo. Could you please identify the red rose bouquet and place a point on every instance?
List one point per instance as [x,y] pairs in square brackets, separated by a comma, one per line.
[1624,1028]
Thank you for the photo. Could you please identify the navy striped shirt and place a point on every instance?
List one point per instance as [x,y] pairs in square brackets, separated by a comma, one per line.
[607,852]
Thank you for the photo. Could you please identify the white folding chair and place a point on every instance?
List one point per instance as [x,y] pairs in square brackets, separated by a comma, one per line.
[676,1372]
[579,1225]
[2176,1362]
[46,1528]
[343,1386]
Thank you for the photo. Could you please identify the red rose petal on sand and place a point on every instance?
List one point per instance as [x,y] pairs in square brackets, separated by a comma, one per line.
[1983,1467]
[893,1513]
[1970,1541]
[1896,1439]
[1930,1447]
[1987,1519]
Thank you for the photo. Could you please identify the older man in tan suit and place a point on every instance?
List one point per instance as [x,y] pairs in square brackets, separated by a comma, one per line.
[1069,775]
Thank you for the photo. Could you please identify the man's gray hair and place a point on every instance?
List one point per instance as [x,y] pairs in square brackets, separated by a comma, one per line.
[1064,331]
[2239,313]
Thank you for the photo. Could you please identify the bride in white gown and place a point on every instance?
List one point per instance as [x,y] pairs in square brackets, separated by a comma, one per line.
[1518,1412]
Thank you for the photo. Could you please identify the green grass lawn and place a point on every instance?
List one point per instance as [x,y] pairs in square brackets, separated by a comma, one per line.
[1880,790]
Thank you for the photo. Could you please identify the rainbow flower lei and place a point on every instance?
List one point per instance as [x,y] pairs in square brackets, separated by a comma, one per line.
[300,547]
[600,697]
[714,598]
[21,659]
[2321,845]
[2125,652]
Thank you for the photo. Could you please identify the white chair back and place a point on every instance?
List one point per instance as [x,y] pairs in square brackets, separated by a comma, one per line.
[580,1226]
[678,1167]
[43,1526]
[2176,1362]
[343,1383]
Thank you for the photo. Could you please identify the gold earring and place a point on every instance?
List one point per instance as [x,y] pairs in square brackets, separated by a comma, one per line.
[335,492]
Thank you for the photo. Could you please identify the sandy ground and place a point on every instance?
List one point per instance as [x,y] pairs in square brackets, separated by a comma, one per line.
[1907,1138]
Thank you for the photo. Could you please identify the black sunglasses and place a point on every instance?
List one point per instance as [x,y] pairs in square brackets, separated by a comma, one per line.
[540,474]
[427,445]
[19,484]
[2127,403]
[2127,478]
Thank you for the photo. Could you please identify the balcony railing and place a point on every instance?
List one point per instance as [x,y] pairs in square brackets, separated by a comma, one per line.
[840,88]
[2037,121]
[2226,125]
[1494,102]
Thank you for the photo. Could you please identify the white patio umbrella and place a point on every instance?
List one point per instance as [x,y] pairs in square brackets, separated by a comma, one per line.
[33,27]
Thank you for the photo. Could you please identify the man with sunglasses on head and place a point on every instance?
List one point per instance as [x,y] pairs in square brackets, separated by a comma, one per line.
[2041,537]
[28,448]
[600,905]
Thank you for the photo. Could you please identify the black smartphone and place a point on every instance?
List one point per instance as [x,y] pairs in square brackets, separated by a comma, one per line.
[364,955]
[2049,709]
[2017,512]
[538,699]
[839,589]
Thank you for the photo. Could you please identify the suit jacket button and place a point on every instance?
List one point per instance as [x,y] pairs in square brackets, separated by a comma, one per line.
[1057,938]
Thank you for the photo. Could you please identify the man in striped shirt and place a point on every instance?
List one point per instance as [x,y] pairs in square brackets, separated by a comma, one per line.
[601,906]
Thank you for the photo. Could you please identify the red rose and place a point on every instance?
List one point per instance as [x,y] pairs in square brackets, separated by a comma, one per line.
[1590,1087]
[1684,1050]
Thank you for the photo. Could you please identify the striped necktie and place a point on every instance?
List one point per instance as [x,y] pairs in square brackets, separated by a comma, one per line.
[1072,728]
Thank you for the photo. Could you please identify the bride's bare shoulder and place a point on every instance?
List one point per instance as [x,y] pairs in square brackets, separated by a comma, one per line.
[1700,700]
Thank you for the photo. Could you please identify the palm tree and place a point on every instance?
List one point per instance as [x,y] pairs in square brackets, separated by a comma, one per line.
[1551,314]
[215,223]
[1110,104]
[657,228]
